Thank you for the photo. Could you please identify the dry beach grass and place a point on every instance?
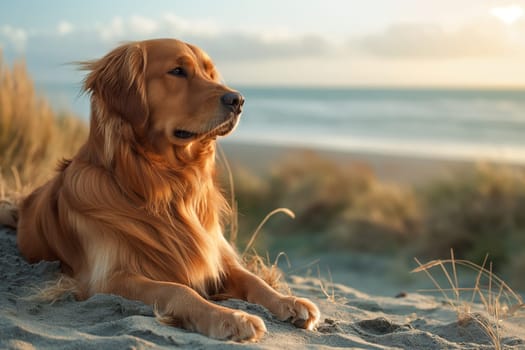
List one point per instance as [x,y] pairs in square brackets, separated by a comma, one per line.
[32,136]
[498,299]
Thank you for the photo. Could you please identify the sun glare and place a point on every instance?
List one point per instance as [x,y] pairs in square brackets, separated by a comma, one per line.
[508,14]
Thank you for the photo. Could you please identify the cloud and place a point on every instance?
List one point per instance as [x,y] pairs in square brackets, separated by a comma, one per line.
[486,37]
[427,41]
[222,44]
[112,30]
[123,28]
[14,37]
[508,14]
[246,47]
[64,28]
[143,25]
[177,25]
[47,52]
[140,27]
[278,54]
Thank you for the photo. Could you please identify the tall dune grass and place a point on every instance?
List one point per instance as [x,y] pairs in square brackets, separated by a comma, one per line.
[32,136]
[476,212]
[338,207]
[480,210]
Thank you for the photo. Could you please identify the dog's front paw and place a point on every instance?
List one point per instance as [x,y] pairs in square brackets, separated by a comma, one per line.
[300,311]
[238,326]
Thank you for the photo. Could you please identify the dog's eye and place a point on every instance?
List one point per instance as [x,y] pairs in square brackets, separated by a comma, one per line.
[178,72]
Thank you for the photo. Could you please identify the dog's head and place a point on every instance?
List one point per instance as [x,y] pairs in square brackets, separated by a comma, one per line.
[169,91]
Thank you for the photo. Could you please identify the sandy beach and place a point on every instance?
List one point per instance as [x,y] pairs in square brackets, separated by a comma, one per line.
[350,319]
[369,302]
[396,168]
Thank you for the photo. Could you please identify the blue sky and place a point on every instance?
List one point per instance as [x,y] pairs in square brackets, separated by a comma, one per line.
[330,42]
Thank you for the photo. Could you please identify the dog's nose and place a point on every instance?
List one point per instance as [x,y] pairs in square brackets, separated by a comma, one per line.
[232,99]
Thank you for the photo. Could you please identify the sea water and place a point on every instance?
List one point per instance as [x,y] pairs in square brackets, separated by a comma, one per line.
[445,123]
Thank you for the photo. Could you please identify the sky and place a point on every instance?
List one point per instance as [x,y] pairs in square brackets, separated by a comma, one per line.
[408,43]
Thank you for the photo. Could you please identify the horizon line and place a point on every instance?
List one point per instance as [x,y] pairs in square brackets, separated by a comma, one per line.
[487,87]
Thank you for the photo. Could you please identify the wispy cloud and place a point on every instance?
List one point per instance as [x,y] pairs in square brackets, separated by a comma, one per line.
[508,14]
[221,43]
[414,40]
[143,25]
[428,41]
[13,37]
[112,30]
[250,55]
[139,27]
[64,28]
[171,23]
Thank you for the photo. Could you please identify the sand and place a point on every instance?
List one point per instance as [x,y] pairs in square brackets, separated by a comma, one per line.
[395,168]
[351,318]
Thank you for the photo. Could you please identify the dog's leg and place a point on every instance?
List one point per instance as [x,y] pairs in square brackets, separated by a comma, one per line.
[184,308]
[243,284]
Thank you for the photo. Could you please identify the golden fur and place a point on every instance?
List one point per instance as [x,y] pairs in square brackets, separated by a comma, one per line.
[137,211]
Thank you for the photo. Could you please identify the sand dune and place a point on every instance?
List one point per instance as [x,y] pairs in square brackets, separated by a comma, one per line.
[353,319]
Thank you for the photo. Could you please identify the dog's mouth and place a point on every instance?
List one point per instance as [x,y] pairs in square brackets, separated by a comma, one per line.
[224,128]
[184,134]
[220,130]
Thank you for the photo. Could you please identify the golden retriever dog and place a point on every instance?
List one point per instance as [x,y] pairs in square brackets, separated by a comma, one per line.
[137,211]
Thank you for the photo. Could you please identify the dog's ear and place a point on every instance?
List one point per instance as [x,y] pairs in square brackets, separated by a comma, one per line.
[118,79]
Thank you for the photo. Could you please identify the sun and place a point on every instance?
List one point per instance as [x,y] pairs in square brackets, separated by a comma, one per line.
[508,14]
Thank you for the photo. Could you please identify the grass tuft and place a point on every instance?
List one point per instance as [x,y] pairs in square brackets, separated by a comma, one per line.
[53,291]
[498,299]
[327,287]
[264,268]
[267,270]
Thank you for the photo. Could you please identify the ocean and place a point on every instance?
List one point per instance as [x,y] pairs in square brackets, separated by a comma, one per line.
[430,123]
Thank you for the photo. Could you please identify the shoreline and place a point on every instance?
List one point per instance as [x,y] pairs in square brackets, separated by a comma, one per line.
[411,170]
